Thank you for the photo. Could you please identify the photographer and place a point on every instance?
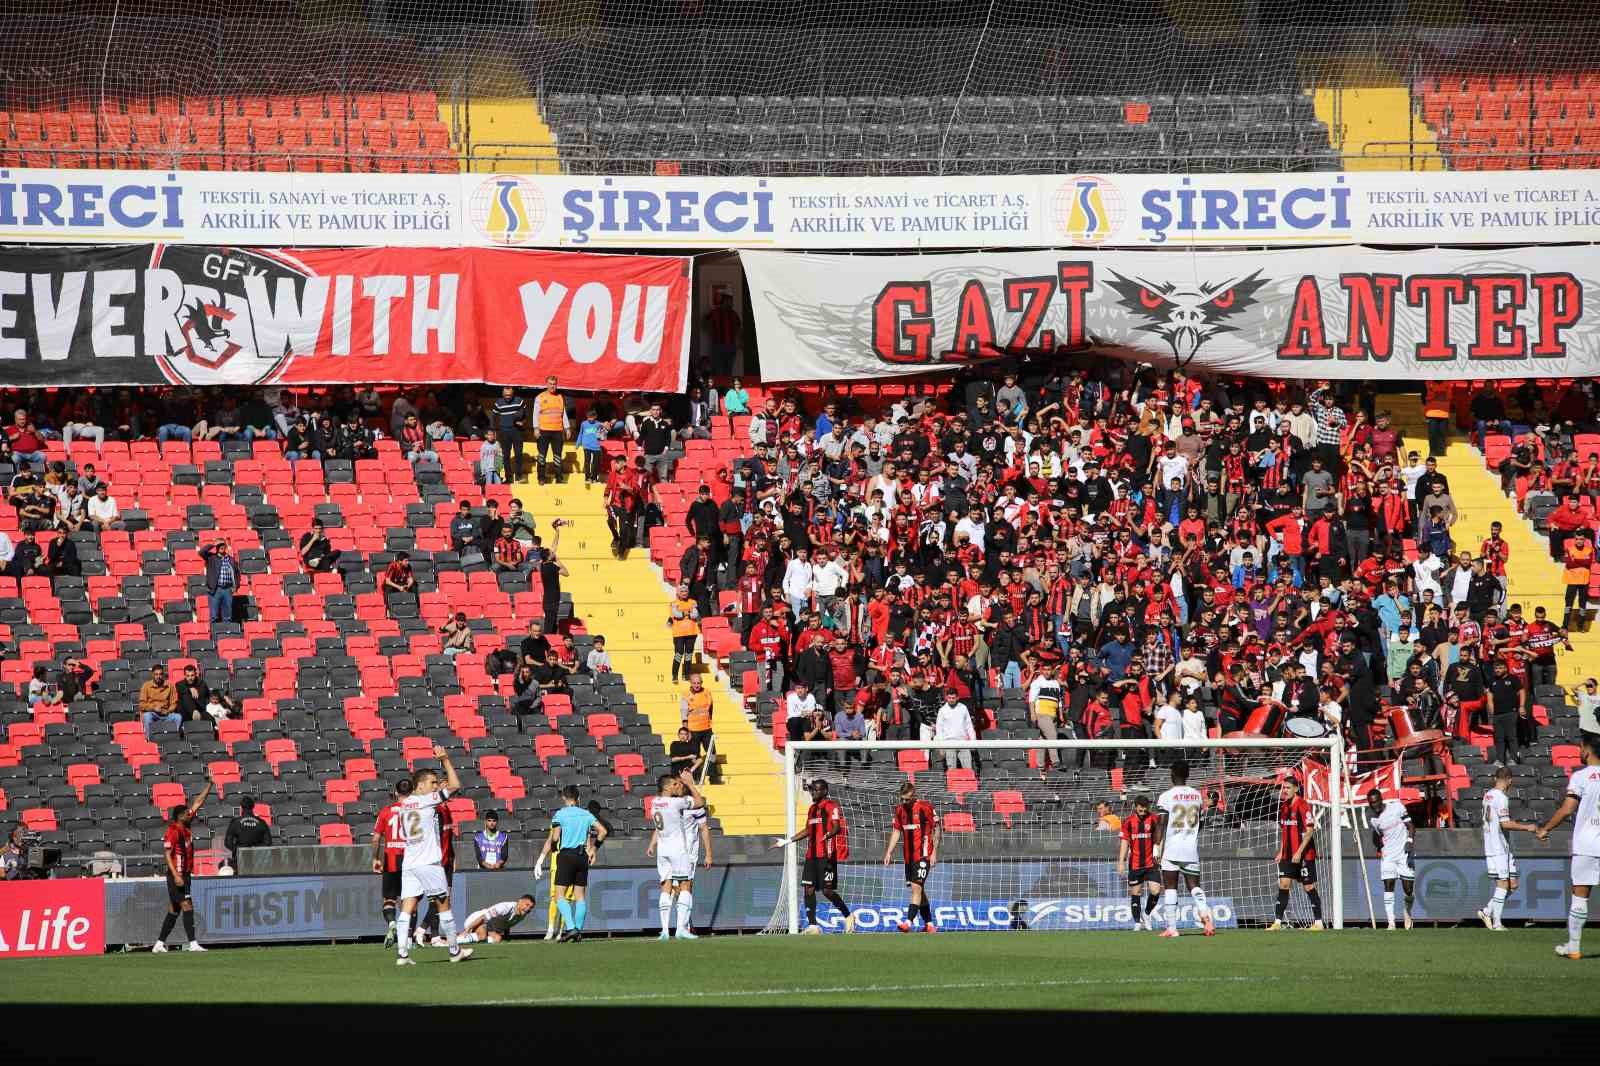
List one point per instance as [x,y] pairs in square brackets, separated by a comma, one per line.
[14,859]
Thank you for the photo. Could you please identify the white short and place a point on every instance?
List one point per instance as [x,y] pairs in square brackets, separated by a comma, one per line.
[1396,869]
[475,917]
[1586,870]
[419,881]
[1179,866]
[674,867]
[1502,867]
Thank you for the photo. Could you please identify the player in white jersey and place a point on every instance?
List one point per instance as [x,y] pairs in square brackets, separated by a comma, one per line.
[422,869]
[493,924]
[1178,845]
[1583,800]
[1497,849]
[674,843]
[1394,836]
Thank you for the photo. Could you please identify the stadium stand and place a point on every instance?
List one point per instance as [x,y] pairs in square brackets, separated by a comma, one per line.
[336,692]
[1514,121]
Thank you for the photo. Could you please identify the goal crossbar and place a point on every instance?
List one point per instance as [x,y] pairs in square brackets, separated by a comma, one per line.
[1331,748]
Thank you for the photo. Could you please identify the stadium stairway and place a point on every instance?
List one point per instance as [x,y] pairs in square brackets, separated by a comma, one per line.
[507,132]
[1533,578]
[1379,130]
[626,602]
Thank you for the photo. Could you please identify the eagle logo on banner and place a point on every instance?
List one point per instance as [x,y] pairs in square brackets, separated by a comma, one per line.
[1186,317]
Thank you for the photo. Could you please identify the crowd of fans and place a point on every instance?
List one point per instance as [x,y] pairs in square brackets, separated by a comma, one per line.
[1144,553]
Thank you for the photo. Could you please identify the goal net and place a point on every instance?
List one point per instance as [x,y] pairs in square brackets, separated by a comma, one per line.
[1020,851]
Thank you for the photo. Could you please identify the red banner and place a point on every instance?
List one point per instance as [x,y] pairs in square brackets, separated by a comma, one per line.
[240,316]
[66,917]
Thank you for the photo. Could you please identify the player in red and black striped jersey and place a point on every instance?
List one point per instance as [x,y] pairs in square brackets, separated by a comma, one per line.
[824,836]
[1137,855]
[388,850]
[1297,852]
[178,851]
[917,824]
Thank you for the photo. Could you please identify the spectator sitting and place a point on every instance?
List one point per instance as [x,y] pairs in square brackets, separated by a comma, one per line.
[457,636]
[684,753]
[41,690]
[527,696]
[158,701]
[75,679]
[520,521]
[301,443]
[27,443]
[598,660]
[28,559]
[464,536]
[849,723]
[102,510]
[414,442]
[193,695]
[399,582]
[72,510]
[508,551]
[61,557]
[317,553]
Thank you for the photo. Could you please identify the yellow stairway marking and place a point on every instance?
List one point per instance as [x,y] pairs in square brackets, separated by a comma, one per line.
[498,126]
[626,601]
[1533,579]
[1367,110]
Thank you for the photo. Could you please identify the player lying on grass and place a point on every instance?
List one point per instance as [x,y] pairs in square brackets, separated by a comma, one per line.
[1394,836]
[679,815]
[918,823]
[493,924]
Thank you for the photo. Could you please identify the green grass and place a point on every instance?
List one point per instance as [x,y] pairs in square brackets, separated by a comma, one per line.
[1237,971]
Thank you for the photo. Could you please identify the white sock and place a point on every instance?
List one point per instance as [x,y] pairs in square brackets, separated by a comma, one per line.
[402,933]
[1497,903]
[467,938]
[685,909]
[1576,917]
[447,929]
[1388,905]
[664,905]
[1169,903]
[1200,907]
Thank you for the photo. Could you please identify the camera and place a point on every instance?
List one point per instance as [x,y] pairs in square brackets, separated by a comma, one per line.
[37,859]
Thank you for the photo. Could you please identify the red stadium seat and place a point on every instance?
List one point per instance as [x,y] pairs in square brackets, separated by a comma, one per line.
[339,792]
[547,744]
[1007,803]
[331,833]
[167,795]
[959,822]
[628,766]
[911,762]
[959,783]
[40,819]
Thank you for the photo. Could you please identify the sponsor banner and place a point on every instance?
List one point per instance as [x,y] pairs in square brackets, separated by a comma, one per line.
[40,918]
[744,897]
[1351,313]
[1014,211]
[212,315]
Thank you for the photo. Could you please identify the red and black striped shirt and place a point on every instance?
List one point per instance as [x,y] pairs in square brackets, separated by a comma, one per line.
[1294,821]
[1138,831]
[916,823]
[179,847]
[820,820]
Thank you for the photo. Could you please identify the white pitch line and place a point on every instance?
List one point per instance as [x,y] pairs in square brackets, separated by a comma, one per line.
[753,993]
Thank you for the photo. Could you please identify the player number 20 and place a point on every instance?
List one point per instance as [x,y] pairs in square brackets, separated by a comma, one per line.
[1185,817]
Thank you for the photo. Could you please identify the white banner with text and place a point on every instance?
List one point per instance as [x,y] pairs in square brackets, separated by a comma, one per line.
[1330,313]
[1019,211]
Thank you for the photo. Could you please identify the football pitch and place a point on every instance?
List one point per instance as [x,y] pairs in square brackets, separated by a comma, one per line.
[1433,972]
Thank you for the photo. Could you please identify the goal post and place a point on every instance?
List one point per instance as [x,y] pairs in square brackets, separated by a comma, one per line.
[1023,849]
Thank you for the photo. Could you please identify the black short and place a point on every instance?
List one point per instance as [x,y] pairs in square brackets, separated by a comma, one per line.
[391,884]
[177,893]
[917,872]
[572,868]
[1304,871]
[821,873]
[500,925]
[1145,874]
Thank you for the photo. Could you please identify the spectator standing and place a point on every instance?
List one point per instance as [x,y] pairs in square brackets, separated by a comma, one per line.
[655,437]
[510,411]
[697,709]
[550,415]
[245,830]
[591,443]
[954,722]
[222,578]
[723,328]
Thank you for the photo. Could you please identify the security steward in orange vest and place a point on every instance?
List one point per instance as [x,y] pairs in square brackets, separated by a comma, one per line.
[696,709]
